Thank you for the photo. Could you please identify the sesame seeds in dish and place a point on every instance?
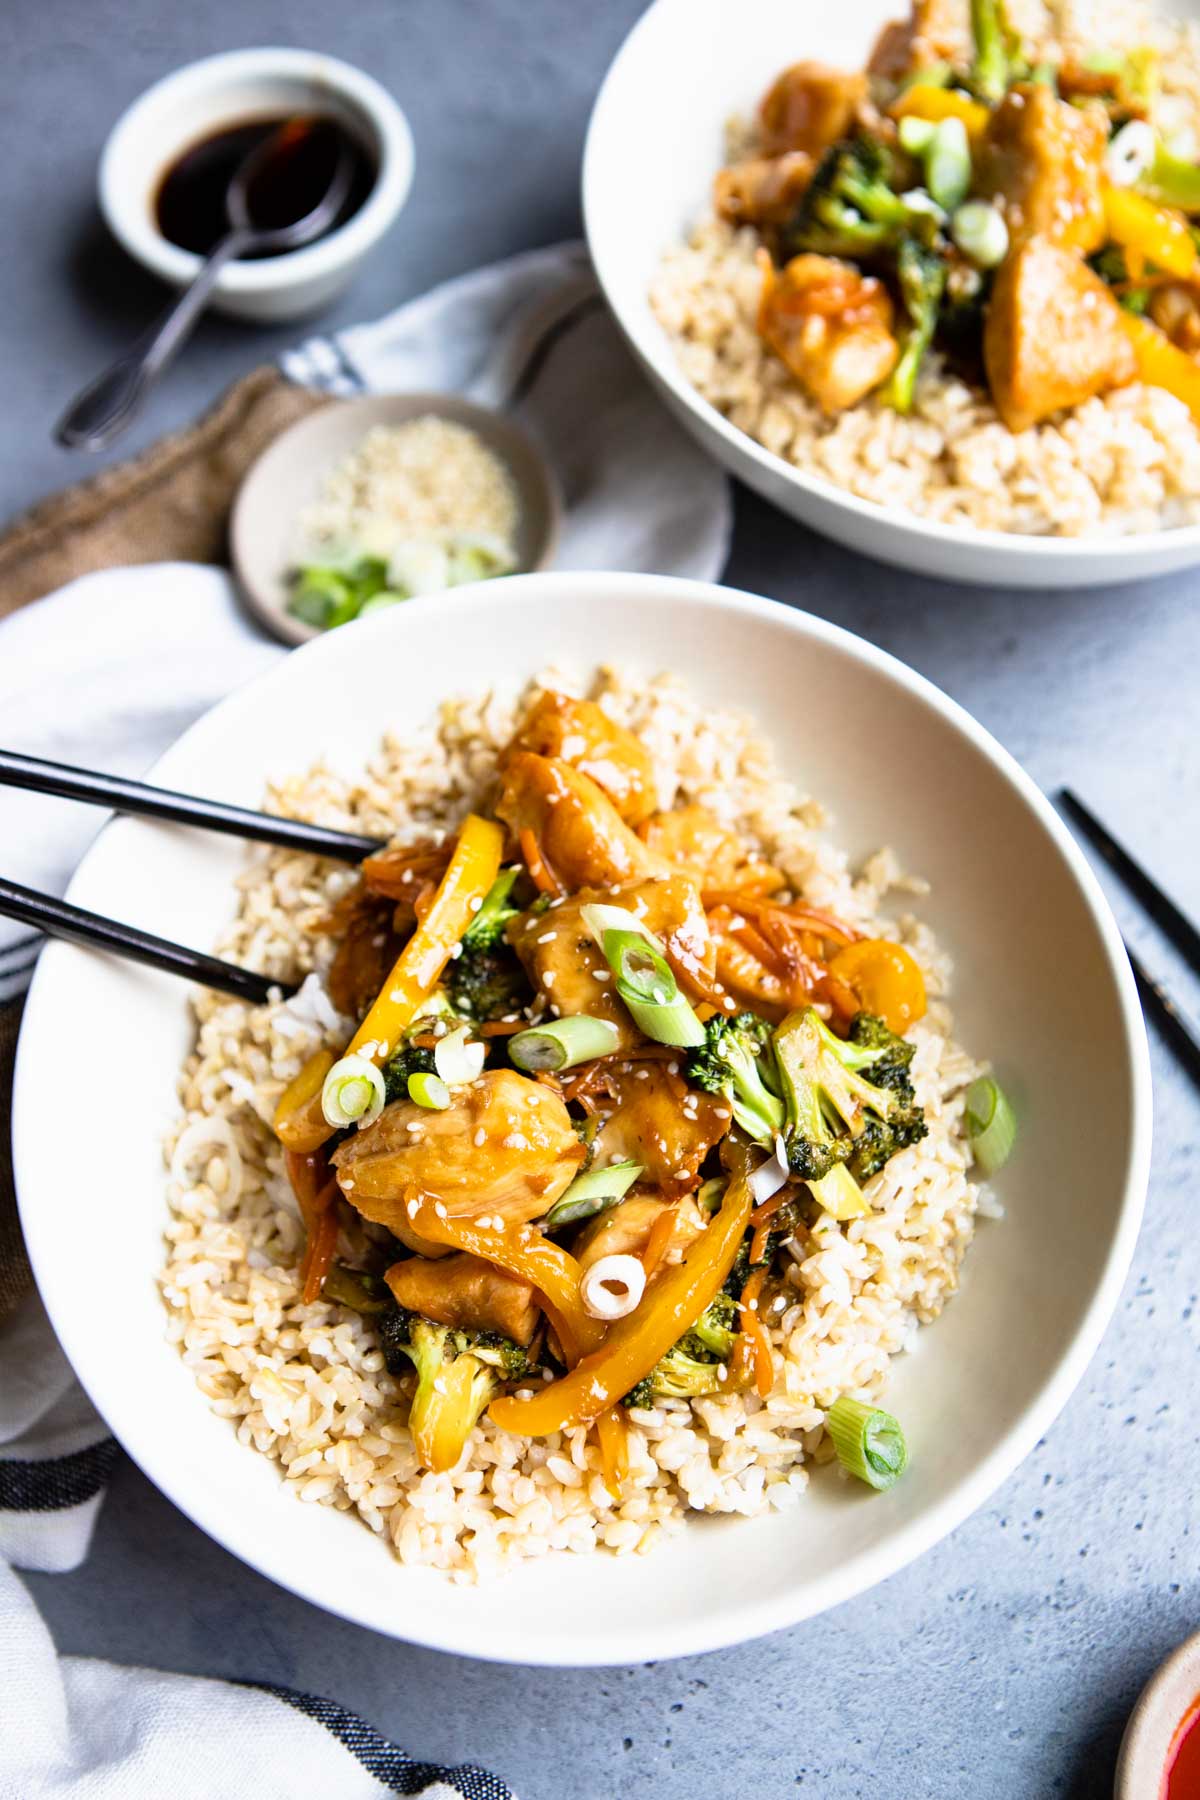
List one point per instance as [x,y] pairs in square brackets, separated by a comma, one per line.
[363,1310]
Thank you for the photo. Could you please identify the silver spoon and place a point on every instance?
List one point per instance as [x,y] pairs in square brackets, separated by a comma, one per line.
[106,405]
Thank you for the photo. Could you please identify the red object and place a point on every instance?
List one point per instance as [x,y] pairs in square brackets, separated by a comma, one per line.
[1181,1779]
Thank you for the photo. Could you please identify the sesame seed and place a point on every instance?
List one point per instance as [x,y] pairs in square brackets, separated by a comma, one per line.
[547,937]
[480,1138]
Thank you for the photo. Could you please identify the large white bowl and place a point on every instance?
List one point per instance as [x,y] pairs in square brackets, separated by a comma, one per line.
[654,144]
[1042,987]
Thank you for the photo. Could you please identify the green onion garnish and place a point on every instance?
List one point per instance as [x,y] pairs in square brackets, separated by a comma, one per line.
[456,1060]
[561,1043]
[868,1441]
[353,1093]
[592,1193]
[991,1124]
[647,985]
[429,1091]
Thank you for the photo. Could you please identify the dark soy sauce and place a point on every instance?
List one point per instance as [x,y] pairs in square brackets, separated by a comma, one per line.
[190,204]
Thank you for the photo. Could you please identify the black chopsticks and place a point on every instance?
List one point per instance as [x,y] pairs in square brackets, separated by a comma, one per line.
[1176,925]
[31,773]
[60,919]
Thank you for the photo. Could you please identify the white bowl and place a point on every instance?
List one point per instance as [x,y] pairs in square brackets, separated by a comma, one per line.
[229,89]
[1042,987]
[654,144]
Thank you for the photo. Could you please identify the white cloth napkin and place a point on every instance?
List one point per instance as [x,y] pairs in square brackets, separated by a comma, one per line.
[107,673]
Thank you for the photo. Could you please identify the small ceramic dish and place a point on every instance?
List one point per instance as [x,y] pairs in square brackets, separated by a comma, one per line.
[233,89]
[288,477]
[1164,1703]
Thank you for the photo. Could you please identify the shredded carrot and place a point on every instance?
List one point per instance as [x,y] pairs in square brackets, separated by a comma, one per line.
[755,1332]
[541,873]
[322,1242]
[613,1438]
[761,1218]
[501,1027]
[656,1244]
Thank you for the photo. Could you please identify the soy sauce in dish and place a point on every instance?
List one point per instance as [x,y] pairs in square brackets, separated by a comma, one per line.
[1181,1778]
[190,204]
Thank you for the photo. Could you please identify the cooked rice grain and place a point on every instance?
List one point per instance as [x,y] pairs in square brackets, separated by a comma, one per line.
[307,1384]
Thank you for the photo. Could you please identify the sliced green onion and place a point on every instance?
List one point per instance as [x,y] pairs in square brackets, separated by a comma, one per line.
[644,978]
[592,1193]
[561,1043]
[647,985]
[980,233]
[429,1091]
[991,1124]
[353,1094]
[1130,153]
[916,135]
[868,1441]
[934,74]
[456,1060]
[948,164]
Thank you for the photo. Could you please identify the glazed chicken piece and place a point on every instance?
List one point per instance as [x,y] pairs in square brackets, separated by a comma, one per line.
[625,1229]
[505,1147]
[1045,160]
[808,108]
[368,946]
[933,33]
[694,840]
[581,837]
[762,190]
[1053,335]
[565,963]
[467,1293]
[647,1121]
[581,733]
[830,325]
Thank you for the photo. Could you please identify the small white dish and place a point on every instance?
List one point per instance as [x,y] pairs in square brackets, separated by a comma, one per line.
[1161,1708]
[655,141]
[290,473]
[234,88]
[1042,987]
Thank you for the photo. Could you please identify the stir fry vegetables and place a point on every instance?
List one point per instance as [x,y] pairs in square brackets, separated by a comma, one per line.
[994,209]
[582,1194]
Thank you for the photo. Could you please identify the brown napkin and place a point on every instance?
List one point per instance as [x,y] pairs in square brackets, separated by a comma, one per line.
[170,504]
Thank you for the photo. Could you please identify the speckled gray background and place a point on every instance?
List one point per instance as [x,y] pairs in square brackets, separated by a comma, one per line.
[1002,1665]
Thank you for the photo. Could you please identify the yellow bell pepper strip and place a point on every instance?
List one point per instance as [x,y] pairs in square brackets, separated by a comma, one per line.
[524,1251]
[301,1124]
[294,1126]
[884,978]
[613,1437]
[937,103]
[1163,364]
[670,1306]
[1154,232]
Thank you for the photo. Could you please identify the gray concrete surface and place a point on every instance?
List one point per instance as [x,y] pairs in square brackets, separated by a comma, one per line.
[1002,1665]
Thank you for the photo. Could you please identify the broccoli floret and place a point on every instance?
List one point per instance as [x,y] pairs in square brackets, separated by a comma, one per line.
[849,207]
[691,1366]
[730,1062]
[485,982]
[486,929]
[850,1104]
[922,277]
[408,1060]
[458,1374]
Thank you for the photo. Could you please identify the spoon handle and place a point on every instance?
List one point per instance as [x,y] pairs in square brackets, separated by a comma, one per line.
[107,404]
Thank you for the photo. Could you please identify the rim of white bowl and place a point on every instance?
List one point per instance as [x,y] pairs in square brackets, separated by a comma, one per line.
[757,1615]
[125,204]
[649,342]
